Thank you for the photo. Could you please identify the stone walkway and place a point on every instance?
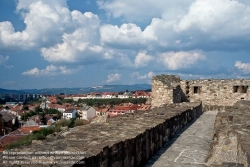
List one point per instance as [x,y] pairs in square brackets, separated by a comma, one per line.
[189,147]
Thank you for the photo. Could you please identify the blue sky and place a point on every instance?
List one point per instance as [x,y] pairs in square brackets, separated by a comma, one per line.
[75,43]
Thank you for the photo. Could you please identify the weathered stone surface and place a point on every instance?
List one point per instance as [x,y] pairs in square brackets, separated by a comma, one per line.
[122,141]
[189,147]
[231,141]
[214,92]
[168,89]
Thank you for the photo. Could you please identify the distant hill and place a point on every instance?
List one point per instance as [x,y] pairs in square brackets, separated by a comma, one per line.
[103,88]
[6,91]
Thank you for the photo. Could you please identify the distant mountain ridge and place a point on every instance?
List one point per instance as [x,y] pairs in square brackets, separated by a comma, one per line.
[103,88]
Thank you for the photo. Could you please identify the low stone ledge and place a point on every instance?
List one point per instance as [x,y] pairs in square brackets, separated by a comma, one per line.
[231,141]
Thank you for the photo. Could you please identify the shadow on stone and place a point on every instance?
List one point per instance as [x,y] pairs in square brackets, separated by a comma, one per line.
[167,145]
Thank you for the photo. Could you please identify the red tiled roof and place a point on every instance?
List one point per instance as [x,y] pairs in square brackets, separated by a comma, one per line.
[28,129]
[102,110]
[133,107]
[54,106]
[7,139]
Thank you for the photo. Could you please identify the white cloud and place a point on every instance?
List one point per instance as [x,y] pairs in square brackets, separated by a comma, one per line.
[3,59]
[45,22]
[185,25]
[142,59]
[113,77]
[146,76]
[80,44]
[50,70]
[244,67]
[178,60]
[221,19]
[127,35]
[142,10]
[151,74]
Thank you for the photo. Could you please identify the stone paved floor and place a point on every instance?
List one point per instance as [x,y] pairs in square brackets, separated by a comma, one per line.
[189,147]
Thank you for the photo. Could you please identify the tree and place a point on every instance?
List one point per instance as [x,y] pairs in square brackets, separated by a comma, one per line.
[72,123]
[38,110]
[78,116]
[16,124]
[43,119]
[24,116]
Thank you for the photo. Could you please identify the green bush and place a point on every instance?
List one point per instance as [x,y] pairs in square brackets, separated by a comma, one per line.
[27,140]
[80,122]
[63,122]
[72,123]
[42,133]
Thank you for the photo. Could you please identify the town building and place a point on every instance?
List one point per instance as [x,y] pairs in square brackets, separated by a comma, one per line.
[70,113]
[87,112]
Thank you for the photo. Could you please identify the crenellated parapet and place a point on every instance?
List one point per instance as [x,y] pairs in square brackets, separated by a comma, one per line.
[168,89]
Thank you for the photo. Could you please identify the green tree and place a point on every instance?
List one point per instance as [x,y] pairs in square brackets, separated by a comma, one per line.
[38,110]
[43,119]
[78,116]
[24,117]
[72,123]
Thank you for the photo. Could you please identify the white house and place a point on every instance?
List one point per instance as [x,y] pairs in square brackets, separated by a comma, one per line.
[87,112]
[58,107]
[69,113]
[125,95]
[44,105]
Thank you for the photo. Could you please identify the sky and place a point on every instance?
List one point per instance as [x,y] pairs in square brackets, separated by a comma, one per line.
[82,43]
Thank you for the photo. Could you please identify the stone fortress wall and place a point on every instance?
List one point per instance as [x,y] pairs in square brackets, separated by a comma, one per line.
[230,144]
[166,89]
[123,141]
[211,92]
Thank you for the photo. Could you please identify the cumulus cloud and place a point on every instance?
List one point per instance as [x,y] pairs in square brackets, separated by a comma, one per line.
[78,45]
[208,25]
[127,35]
[149,75]
[179,60]
[142,10]
[170,33]
[244,67]
[50,25]
[49,71]
[142,59]
[207,16]
[113,77]
[45,22]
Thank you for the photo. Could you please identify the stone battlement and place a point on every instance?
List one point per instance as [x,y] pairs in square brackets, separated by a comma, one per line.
[224,92]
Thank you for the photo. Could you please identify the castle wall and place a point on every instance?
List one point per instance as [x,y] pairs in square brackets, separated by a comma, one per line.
[123,141]
[137,150]
[217,92]
[166,90]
